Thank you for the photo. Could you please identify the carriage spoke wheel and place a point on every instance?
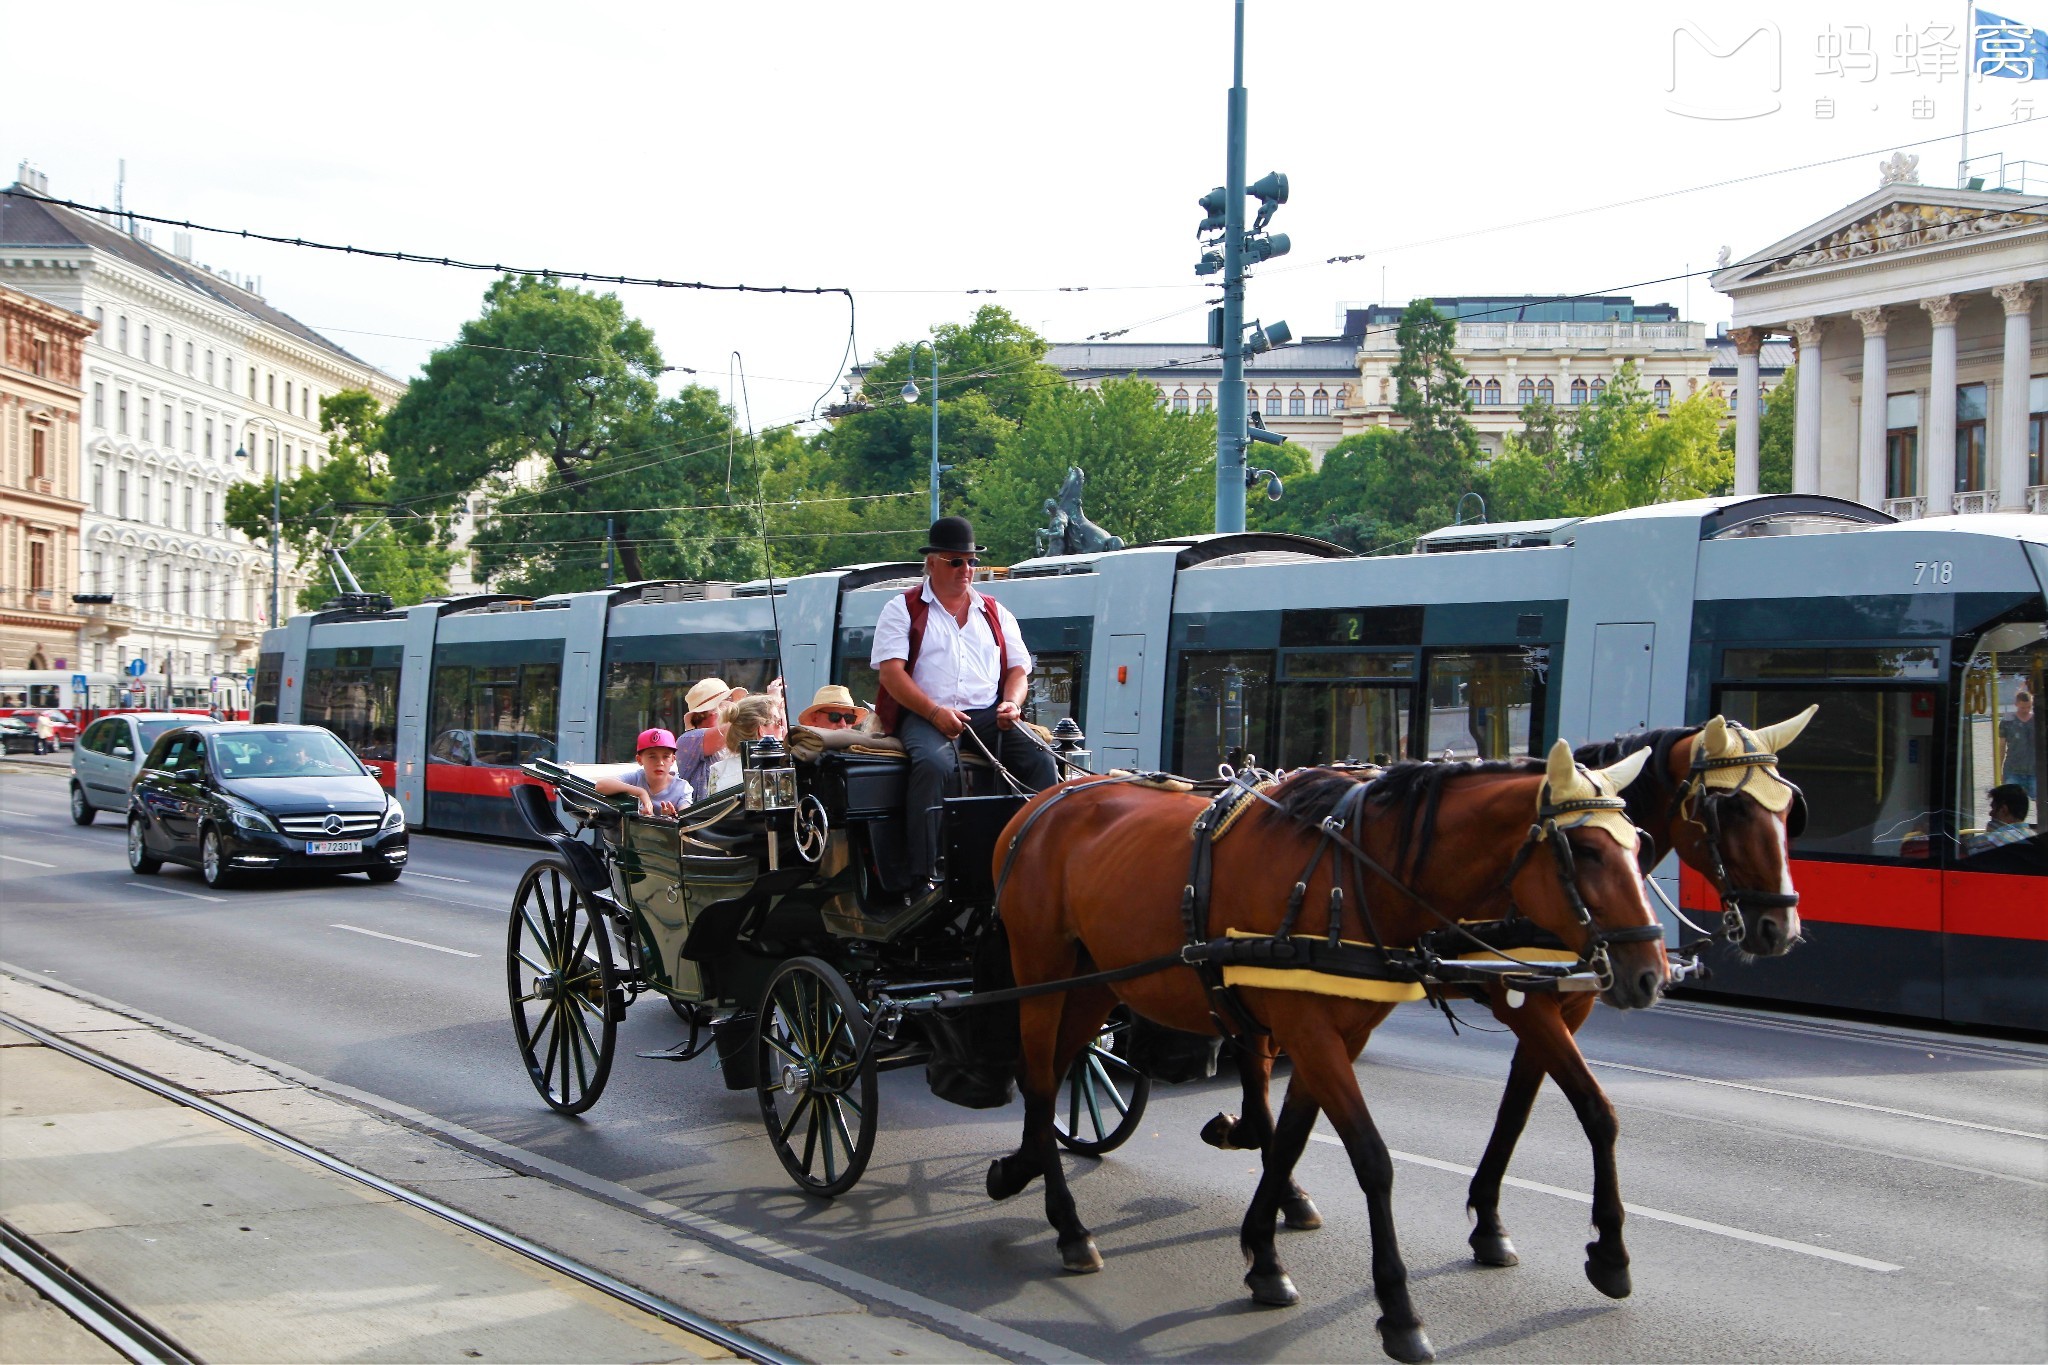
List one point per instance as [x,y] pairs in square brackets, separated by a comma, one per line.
[818,1093]
[558,971]
[1104,1099]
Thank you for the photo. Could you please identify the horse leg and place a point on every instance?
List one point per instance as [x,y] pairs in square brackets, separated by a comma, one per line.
[1253,1130]
[1490,1244]
[1056,1028]
[1552,1041]
[1269,1280]
[1323,1067]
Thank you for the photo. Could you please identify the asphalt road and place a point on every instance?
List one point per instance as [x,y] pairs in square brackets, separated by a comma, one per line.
[1800,1189]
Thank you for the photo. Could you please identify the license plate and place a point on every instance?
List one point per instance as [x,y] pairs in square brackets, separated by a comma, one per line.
[335,846]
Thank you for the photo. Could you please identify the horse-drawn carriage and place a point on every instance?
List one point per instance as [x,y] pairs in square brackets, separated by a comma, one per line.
[776,920]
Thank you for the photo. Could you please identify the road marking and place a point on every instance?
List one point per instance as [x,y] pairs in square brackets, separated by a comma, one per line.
[1640,1211]
[432,877]
[457,952]
[10,858]
[17,814]
[173,891]
[1824,1099]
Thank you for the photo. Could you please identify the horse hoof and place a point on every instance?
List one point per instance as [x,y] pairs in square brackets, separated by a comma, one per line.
[1493,1248]
[1609,1277]
[1216,1132]
[1273,1291]
[1409,1344]
[1300,1213]
[1001,1184]
[1080,1258]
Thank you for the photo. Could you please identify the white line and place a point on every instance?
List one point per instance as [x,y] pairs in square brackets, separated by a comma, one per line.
[433,878]
[1823,1099]
[1640,1211]
[17,814]
[457,952]
[10,858]
[173,891]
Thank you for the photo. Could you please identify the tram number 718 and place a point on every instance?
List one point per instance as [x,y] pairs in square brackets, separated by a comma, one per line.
[1929,571]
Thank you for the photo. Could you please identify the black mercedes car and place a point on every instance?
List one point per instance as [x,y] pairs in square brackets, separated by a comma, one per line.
[232,799]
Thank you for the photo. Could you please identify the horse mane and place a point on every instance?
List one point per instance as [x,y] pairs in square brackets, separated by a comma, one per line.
[1649,802]
[1412,788]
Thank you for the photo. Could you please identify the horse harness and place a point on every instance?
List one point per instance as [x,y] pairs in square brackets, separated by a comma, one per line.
[1698,804]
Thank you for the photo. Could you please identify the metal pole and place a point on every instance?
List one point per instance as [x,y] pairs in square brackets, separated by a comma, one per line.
[608,543]
[935,426]
[1230,416]
[276,516]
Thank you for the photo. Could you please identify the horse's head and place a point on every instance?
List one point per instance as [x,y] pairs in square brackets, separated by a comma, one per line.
[1736,818]
[1583,881]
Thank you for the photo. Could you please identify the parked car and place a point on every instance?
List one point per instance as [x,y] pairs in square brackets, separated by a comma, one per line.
[17,735]
[107,755]
[235,798]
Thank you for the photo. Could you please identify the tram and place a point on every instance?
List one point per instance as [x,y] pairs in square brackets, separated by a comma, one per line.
[104,693]
[1925,642]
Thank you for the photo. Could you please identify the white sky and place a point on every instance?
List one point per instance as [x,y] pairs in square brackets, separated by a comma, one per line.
[916,150]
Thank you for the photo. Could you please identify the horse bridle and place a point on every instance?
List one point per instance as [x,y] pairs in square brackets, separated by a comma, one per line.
[1594,955]
[1698,804]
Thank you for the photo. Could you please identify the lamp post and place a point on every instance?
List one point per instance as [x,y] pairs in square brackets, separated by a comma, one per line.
[910,396]
[276,501]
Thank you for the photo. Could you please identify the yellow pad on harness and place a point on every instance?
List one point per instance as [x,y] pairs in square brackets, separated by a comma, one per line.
[1319,983]
[1531,956]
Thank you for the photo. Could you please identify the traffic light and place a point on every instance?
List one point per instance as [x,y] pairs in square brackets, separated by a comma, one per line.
[1213,204]
[1216,327]
[1258,249]
[1271,192]
[1264,338]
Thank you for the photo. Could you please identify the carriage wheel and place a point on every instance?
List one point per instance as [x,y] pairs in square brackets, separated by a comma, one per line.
[558,972]
[817,1086]
[1105,1096]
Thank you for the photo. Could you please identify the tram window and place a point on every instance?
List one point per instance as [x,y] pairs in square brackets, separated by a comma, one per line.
[269,672]
[1481,704]
[1342,723]
[497,715]
[354,698]
[640,696]
[859,677]
[1055,689]
[1221,709]
[1866,764]
[2000,745]
[1913,661]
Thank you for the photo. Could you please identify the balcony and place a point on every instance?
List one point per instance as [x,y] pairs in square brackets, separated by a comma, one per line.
[1976,501]
[2037,499]
[1573,336]
[1906,509]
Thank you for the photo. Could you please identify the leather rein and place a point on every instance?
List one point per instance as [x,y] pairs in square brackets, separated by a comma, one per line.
[1700,806]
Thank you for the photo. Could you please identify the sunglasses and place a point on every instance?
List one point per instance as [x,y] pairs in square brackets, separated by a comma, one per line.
[841,717]
[957,560]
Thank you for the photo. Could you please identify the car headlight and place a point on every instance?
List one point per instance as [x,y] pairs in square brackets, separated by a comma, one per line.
[394,814]
[248,817]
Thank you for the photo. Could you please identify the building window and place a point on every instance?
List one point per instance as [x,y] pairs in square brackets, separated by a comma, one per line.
[188,507]
[38,453]
[121,333]
[167,427]
[1578,393]
[1525,392]
[188,358]
[165,519]
[1599,389]
[1902,445]
[208,528]
[1475,392]
[1661,391]
[209,438]
[287,395]
[148,352]
[38,566]
[1272,402]
[121,412]
[142,503]
[306,403]
[99,488]
[1319,403]
[252,383]
[1297,404]
[1204,400]
[121,495]
[1180,400]
[145,417]
[1492,395]
[1971,405]
[39,357]
[269,390]
[1343,399]
[2037,431]
[209,367]
[227,374]
[188,434]
[1546,392]
[99,406]
[99,322]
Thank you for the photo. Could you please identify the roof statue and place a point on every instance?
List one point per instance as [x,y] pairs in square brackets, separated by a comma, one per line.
[1067,530]
[1899,169]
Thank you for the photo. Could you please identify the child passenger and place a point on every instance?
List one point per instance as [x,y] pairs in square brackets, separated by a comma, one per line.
[654,783]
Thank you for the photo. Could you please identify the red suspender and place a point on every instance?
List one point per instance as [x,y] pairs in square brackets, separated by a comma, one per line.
[887,709]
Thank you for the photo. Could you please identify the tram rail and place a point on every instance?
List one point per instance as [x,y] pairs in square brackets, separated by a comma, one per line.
[93,1308]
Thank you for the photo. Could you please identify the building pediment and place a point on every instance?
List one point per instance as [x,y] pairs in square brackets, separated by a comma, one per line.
[1893,220]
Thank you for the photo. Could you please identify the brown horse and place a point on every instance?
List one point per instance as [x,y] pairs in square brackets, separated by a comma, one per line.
[1709,793]
[1087,891]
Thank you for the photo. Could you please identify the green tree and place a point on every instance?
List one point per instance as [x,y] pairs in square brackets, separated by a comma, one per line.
[1774,434]
[545,370]
[1615,452]
[1345,500]
[1151,473]
[343,503]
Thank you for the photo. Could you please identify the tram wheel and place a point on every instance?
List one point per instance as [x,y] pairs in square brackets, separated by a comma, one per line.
[559,975]
[816,1080]
[1105,1094]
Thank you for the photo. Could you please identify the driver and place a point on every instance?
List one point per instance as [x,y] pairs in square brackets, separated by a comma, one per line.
[943,672]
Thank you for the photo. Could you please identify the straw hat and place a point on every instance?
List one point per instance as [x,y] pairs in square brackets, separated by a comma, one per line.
[833,698]
[708,694]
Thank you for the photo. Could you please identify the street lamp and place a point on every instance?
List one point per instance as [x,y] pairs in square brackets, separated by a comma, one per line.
[910,396]
[276,501]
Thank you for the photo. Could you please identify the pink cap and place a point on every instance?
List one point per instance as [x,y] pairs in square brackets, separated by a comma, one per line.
[655,739]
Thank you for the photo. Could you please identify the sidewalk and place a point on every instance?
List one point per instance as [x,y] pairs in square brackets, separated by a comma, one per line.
[241,1250]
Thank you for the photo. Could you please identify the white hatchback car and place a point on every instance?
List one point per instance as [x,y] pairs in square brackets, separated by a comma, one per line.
[107,755]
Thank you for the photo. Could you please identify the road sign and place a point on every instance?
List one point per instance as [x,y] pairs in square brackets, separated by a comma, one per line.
[136,668]
[79,684]
[138,689]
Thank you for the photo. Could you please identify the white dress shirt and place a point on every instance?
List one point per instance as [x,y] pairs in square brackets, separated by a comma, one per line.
[956,665]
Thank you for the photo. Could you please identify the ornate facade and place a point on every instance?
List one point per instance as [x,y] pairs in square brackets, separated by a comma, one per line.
[1919,315]
[41,353]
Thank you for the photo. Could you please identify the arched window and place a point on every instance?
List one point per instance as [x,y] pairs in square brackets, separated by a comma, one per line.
[1297,403]
[1546,392]
[1319,403]
[1492,399]
[1599,387]
[121,332]
[1343,398]
[1578,393]
[1272,402]
[1251,398]
[1180,400]
[1475,392]
[1162,394]
[1204,400]
[1661,390]
[1525,392]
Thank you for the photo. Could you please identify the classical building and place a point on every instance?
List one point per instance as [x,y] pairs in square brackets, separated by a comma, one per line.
[1919,317]
[1516,349]
[41,351]
[192,382]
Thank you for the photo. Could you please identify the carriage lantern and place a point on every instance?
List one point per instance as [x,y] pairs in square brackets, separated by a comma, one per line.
[771,781]
[1069,743]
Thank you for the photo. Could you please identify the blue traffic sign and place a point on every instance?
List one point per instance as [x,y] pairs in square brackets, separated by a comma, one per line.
[136,668]
[79,684]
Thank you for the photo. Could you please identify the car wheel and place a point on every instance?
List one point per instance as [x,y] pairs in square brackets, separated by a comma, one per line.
[82,812]
[385,874]
[140,860]
[213,861]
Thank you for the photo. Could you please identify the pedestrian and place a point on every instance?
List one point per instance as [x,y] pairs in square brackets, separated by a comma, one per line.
[2018,738]
[654,782]
[46,733]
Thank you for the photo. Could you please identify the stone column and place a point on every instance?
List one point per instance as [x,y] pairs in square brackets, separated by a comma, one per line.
[1749,345]
[2008,453]
[1870,434]
[1806,427]
[1938,420]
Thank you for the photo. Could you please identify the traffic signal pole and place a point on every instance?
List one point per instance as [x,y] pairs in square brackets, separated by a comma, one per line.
[1230,415]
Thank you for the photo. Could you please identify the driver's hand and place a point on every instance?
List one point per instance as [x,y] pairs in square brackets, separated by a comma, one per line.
[1007,714]
[949,722]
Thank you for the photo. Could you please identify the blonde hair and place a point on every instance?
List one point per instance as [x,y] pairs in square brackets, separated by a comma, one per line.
[746,718]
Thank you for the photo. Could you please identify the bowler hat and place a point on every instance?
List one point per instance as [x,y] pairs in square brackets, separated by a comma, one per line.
[952,536]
